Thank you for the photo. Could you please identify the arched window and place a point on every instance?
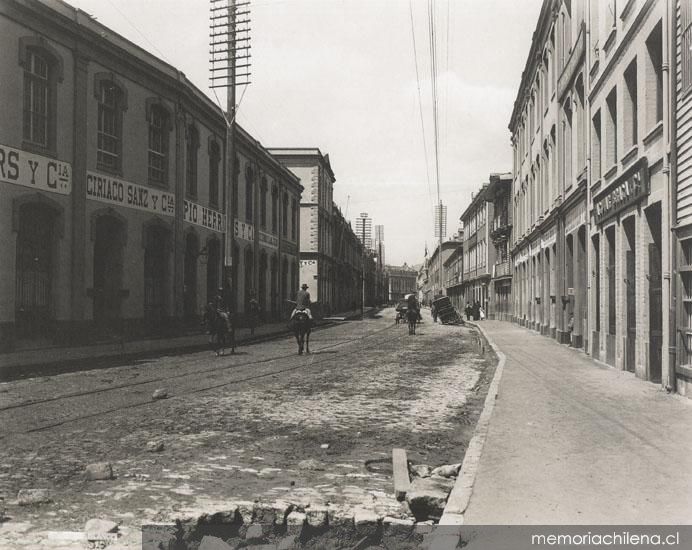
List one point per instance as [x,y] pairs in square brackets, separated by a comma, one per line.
[159,119]
[263,203]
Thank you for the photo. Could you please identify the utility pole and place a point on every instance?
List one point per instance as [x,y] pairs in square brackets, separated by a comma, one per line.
[229,37]
[441,230]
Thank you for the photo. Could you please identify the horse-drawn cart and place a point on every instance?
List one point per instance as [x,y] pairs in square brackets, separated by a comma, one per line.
[446,312]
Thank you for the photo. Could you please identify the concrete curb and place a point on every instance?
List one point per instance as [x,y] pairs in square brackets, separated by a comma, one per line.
[461,493]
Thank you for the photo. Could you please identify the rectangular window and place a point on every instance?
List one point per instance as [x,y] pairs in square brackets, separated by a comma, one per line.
[275,211]
[294,219]
[36,100]
[284,216]
[630,106]
[596,164]
[686,44]
[654,77]
[109,131]
[611,129]
[263,204]
[597,280]
[158,145]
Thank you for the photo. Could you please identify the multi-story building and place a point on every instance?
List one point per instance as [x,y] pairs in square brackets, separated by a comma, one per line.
[317,264]
[112,184]
[629,188]
[348,257]
[548,244]
[436,270]
[454,271]
[499,193]
[681,164]
[402,281]
[479,253]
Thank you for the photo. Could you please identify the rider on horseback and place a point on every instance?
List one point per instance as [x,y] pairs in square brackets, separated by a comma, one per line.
[413,305]
[222,308]
[303,301]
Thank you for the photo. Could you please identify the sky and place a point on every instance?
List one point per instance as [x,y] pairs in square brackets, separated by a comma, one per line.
[341,75]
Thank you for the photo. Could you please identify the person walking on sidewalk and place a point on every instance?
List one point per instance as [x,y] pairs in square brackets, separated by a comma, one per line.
[254,311]
[222,308]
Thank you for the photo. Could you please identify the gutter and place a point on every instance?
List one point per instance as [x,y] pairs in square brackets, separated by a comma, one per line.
[672,182]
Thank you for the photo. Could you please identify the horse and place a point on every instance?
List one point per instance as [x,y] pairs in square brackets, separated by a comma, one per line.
[219,330]
[301,330]
[412,316]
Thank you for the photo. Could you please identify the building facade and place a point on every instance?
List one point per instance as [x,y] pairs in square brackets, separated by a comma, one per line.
[681,165]
[479,253]
[317,265]
[112,182]
[499,193]
[401,281]
[348,256]
[591,183]
[454,274]
[436,277]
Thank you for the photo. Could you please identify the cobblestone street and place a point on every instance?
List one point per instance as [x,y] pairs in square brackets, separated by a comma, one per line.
[263,425]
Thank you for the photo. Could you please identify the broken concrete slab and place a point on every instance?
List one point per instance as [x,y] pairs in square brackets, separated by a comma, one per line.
[27,497]
[427,497]
[213,543]
[401,478]
[448,470]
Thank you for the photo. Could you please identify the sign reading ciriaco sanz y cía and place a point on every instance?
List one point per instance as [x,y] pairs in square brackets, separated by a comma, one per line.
[628,189]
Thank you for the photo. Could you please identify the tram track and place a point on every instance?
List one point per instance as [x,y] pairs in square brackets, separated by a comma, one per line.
[196,373]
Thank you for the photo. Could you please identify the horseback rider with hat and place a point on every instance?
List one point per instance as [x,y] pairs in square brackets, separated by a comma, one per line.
[303,301]
[221,307]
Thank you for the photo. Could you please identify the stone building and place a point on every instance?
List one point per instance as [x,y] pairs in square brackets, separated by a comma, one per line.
[317,265]
[454,274]
[112,184]
[402,281]
[348,257]
[499,193]
[479,253]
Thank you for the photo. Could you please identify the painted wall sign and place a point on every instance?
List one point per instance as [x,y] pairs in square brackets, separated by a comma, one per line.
[35,171]
[269,239]
[628,189]
[129,195]
[204,217]
[244,231]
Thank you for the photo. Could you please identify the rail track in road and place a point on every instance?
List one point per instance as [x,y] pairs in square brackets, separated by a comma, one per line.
[210,372]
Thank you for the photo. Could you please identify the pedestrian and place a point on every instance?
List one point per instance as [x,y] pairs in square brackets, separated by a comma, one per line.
[481,313]
[253,311]
[468,311]
[433,311]
[476,310]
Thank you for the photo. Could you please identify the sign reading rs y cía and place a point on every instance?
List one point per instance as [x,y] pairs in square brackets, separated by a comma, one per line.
[36,171]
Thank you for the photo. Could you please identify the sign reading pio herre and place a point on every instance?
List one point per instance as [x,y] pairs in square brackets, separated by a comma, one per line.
[628,189]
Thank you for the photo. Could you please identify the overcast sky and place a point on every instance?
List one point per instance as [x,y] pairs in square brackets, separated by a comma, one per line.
[340,75]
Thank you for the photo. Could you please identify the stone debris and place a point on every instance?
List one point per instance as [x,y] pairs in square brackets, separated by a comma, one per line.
[295,518]
[310,464]
[99,470]
[324,446]
[160,393]
[427,497]
[286,543]
[366,522]
[213,543]
[254,531]
[316,516]
[420,470]
[155,446]
[27,497]
[95,528]
[448,470]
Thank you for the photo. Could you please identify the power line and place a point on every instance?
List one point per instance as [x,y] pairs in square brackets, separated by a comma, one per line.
[420,109]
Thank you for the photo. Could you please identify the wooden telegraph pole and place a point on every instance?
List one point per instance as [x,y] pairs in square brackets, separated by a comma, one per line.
[229,43]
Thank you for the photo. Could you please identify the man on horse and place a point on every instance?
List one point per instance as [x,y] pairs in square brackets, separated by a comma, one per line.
[303,301]
[413,305]
[222,308]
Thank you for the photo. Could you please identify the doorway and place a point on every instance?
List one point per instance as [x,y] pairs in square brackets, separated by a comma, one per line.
[630,293]
[653,216]
[108,271]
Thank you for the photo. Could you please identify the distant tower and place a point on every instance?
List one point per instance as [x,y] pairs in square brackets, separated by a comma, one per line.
[379,243]
[364,230]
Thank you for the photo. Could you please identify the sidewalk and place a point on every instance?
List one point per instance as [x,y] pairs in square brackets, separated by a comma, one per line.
[59,355]
[573,442]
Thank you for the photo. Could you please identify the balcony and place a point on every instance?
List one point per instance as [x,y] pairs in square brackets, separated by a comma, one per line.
[500,227]
[502,269]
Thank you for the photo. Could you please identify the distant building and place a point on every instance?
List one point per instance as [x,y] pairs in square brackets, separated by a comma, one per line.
[479,253]
[499,193]
[402,281]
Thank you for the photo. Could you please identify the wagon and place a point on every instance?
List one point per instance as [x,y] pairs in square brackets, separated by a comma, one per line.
[446,312]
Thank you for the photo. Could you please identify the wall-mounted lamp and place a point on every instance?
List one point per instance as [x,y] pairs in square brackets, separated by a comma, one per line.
[203,256]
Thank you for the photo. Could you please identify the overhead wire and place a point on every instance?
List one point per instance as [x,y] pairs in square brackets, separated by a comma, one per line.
[420,109]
